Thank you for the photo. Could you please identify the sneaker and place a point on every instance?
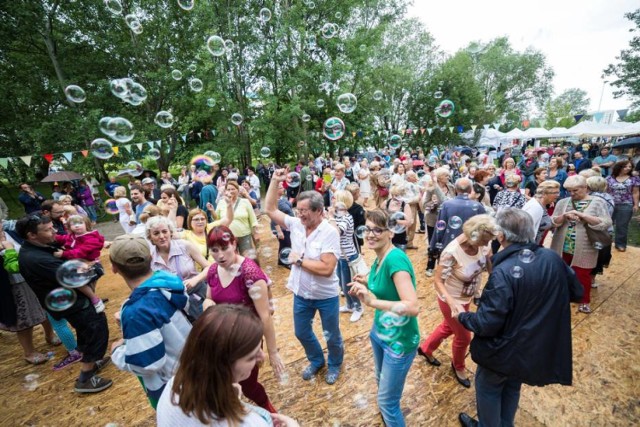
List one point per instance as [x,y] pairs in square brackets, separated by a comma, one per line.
[345,309]
[594,285]
[95,384]
[357,314]
[584,308]
[332,375]
[310,372]
[73,357]
[102,363]
[429,272]
[99,306]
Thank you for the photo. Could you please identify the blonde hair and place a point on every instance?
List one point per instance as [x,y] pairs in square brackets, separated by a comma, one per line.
[588,173]
[339,167]
[575,181]
[545,186]
[597,184]
[441,171]
[397,190]
[354,189]
[344,196]
[149,211]
[119,192]
[480,224]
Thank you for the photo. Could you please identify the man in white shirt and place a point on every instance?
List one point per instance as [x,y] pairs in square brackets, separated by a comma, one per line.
[315,248]
[254,181]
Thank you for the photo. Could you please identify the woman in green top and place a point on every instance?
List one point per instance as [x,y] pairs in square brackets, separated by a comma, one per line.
[391,290]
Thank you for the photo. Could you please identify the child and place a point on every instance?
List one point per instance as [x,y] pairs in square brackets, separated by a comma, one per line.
[83,243]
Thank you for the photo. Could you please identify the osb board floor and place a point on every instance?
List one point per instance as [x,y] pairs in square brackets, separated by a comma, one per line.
[606,373]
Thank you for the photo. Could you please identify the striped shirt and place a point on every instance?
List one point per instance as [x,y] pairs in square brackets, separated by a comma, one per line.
[347,245]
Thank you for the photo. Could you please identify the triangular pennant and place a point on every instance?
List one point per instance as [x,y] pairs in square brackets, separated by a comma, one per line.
[525,123]
[68,155]
[158,142]
[115,150]
[422,131]
[150,144]
[139,145]
[558,120]
[213,132]
[598,116]
[460,129]
[199,134]
[4,162]
[128,147]
[486,127]
[451,129]
[184,138]
[473,127]
[496,126]
[577,117]
[622,113]
[429,130]
[48,157]
[85,153]
[26,160]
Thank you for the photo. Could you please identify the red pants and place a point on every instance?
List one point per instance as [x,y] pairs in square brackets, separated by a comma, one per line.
[461,340]
[253,390]
[584,277]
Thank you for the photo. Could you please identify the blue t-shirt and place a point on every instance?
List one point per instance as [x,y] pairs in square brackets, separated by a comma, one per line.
[602,160]
[139,209]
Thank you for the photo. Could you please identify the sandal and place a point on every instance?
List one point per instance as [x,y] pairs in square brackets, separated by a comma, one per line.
[36,359]
[55,341]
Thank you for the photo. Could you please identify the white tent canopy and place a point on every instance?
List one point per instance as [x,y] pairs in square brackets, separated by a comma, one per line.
[515,133]
[591,129]
[560,132]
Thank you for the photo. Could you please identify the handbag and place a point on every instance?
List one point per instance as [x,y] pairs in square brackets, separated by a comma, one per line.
[598,238]
[359,266]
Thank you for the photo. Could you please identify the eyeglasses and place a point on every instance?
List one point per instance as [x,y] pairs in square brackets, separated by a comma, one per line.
[376,231]
[305,211]
[199,219]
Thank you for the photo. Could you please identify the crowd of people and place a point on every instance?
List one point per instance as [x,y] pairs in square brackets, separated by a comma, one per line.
[193,255]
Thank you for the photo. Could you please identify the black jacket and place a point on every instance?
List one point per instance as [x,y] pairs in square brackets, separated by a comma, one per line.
[38,266]
[523,325]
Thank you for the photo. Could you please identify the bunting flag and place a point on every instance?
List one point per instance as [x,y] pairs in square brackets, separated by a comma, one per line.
[85,152]
[429,130]
[353,134]
[68,155]
[486,127]
[158,142]
[26,160]
[558,120]
[184,138]
[115,150]
[622,113]
[422,131]
[598,116]
[213,132]
[460,129]
[496,126]
[525,123]
[577,117]
[128,147]
[4,162]
[451,129]
[150,144]
[139,145]
[48,157]
[473,127]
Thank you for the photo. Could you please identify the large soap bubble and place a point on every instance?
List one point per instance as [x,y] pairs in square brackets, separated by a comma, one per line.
[101,149]
[75,93]
[333,129]
[445,108]
[216,46]
[75,273]
[347,102]
[164,119]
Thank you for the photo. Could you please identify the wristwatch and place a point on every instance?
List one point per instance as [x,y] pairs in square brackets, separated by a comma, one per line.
[299,261]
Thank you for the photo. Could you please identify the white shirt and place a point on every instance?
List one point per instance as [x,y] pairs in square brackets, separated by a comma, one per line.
[254,182]
[324,239]
[535,210]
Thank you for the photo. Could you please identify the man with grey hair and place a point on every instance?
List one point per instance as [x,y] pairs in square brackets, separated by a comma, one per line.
[315,248]
[522,328]
[452,215]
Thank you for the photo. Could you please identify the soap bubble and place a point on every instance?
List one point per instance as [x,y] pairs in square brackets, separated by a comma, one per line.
[377,95]
[329,30]
[598,246]
[110,206]
[211,102]
[196,85]
[154,153]
[229,44]
[347,102]
[527,256]
[176,74]
[333,129]
[438,94]
[122,129]
[134,168]
[75,94]
[186,4]
[133,22]
[236,119]
[390,319]
[265,14]
[363,47]
[395,142]
[103,125]
[102,149]
[397,348]
[113,6]
[455,222]
[465,111]
[226,237]
[60,299]
[31,382]
[254,292]
[441,225]
[306,117]
[284,378]
[293,179]
[516,271]
[235,270]
[203,163]
[311,40]
[284,256]
[265,152]
[445,108]
[214,155]
[359,401]
[320,103]
[393,223]
[216,46]
[164,119]
[75,273]
[360,231]
[338,15]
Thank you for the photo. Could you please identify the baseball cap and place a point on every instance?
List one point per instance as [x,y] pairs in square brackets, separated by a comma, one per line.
[147,181]
[129,250]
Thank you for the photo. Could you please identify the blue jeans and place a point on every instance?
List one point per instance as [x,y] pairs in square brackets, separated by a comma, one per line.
[391,373]
[621,217]
[497,398]
[91,212]
[304,310]
[344,274]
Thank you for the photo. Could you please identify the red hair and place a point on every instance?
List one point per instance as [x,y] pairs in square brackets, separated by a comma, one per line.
[220,236]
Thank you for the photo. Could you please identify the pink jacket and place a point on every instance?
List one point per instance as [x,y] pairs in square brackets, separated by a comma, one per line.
[86,246]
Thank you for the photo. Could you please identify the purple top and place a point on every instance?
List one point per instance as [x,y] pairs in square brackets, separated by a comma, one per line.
[622,192]
[237,292]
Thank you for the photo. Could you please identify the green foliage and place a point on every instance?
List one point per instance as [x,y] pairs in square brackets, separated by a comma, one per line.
[627,71]
[560,110]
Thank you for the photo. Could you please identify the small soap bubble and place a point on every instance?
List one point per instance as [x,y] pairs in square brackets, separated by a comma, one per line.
[154,153]
[60,299]
[516,271]
[438,94]
[265,15]
[236,119]
[527,256]
[395,142]
[176,74]
[164,119]
[110,206]
[360,231]
[306,117]
[122,129]
[293,179]
[186,4]
[75,94]
[326,335]
[320,103]
[196,85]
[226,237]
[215,45]
[211,102]
[445,108]
[377,95]
[397,348]
[101,149]
[598,246]
[284,256]
[254,293]
[265,152]
[441,225]
[455,222]
[394,225]
[113,6]
[284,378]
[329,30]
[359,401]
[347,102]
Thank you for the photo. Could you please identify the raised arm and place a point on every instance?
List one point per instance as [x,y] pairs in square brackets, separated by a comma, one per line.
[271,199]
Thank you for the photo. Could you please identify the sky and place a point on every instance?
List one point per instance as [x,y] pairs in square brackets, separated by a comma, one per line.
[579,38]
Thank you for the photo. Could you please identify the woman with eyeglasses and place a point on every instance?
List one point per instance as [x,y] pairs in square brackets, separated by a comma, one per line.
[547,192]
[391,290]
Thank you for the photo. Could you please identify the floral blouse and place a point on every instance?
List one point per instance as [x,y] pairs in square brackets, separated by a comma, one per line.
[622,192]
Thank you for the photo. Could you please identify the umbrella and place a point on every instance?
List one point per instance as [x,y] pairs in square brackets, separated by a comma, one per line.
[627,143]
[62,176]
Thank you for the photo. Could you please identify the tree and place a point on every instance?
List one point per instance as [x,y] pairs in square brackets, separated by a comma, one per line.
[627,70]
[560,110]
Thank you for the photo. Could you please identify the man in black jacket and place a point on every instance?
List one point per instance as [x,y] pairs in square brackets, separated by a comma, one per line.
[522,328]
[38,266]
